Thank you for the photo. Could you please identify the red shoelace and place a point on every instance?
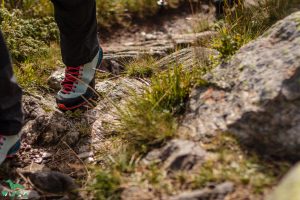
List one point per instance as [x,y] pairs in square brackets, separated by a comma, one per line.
[72,75]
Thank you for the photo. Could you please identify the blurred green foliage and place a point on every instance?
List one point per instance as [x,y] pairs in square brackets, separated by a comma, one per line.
[27,37]
[111,12]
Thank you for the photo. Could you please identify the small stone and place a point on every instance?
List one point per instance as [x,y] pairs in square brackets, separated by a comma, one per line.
[178,155]
[38,160]
[33,167]
[86,155]
[52,182]
[150,37]
[46,155]
[56,78]
[90,160]
[218,192]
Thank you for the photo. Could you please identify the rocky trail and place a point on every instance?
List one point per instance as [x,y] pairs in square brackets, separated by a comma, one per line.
[233,135]
[68,143]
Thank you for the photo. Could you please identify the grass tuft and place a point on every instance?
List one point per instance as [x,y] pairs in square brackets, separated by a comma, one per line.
[106,185]
[142,67]
[246,22]
[150,119]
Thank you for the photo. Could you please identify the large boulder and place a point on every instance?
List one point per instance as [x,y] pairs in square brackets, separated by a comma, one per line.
[255,96]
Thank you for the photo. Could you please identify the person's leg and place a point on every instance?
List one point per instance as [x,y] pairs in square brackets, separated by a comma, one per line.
[11,116]
[77,23]
[81,54]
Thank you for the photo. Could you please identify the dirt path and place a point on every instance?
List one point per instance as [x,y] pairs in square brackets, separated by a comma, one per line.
[159,28]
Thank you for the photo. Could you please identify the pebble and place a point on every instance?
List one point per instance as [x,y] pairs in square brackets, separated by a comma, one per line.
[85,155]
[90,160]
[38,160]
[46,155]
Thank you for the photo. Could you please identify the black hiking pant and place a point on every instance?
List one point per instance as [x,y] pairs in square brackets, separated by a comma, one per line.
[76,20]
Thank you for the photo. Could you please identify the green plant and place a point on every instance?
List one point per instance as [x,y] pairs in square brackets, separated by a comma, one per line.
[141,67]
[106,185]
[33,73]
[27,38]
[149,119]
[119,12]
[245,23]
[228,42]
[30,8]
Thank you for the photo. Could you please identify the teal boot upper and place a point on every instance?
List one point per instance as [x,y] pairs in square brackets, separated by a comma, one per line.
[78,85]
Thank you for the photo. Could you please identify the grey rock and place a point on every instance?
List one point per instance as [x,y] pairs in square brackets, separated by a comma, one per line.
[86,155]
[46,155]
[155,46]
[119,88]
[56,78]
[177,155]
[32,108]
[256,95]
[288,188]
[52,182]
[33,195]
[188,57]
[123,54]
[53,127]
[150,36]
[114,93]
[218,192]
[111,66]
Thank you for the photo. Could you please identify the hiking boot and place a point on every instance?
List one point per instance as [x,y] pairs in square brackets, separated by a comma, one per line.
[9,145]
[78,86]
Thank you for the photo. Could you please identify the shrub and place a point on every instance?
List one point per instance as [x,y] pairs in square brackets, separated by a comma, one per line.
[33,73]
[114,12]
[30,8]
[27,38]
